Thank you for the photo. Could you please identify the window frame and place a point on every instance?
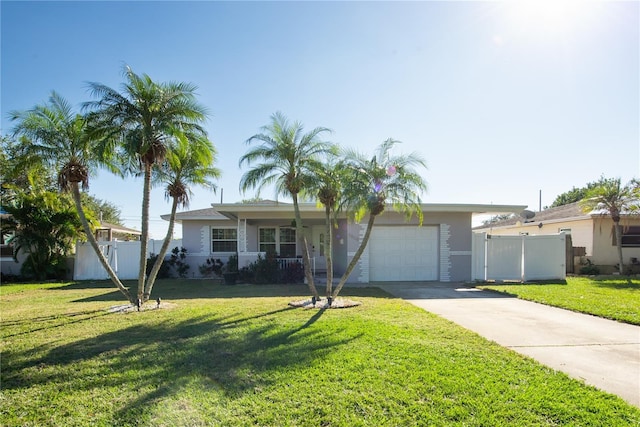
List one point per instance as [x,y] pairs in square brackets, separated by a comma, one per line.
[279,241]
[287,243]
[630,236]
[225,240]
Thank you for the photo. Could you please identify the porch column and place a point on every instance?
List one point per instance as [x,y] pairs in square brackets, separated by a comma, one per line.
[242,235]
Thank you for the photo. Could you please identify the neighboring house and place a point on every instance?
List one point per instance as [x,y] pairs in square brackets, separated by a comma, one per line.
[107,232]
[592,231]
[439,250]
[8,264]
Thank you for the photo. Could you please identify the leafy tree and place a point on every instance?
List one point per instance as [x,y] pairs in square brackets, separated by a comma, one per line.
[102,209]
[375,182]
[497,218]
[577,194]
[46,227]
[139,124]
[189,163]
[20,172]
[613,199]
[287,158]
[57,138]
[19,169]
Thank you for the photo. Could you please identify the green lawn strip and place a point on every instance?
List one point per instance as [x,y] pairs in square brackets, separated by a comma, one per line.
[616,298]
[241,358]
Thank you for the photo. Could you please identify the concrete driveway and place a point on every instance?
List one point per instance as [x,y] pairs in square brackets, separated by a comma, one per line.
[602,353]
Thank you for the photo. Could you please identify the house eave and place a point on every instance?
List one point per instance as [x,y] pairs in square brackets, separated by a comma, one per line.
[531,223]
[233,210]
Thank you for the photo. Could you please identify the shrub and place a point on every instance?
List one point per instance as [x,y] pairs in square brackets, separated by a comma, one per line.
[165,269]
[590,270]
[293,273]
[232,264]
[211,266]
[177,261]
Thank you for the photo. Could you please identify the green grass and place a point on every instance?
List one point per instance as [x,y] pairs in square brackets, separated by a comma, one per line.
[611,297]
[239,356]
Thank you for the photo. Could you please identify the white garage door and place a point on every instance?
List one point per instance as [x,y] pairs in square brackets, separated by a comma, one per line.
[403,253]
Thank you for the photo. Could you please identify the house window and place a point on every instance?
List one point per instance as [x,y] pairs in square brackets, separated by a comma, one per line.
[321,239]
[630,237]
[267,240]
[287,242]
[224,240]
[280,240]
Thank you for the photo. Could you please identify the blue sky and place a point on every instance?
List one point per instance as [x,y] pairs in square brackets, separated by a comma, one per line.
[502,99]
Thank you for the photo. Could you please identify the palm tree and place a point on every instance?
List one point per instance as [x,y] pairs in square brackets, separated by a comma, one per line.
[376,182]
[189,162]
[287,158]
[613,199]
[139,124]
[58,137]
[327,187]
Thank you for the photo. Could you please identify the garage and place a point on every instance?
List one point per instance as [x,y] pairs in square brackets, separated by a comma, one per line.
[403,253]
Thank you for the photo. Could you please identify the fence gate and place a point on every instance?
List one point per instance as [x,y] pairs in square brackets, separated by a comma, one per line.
[519,258]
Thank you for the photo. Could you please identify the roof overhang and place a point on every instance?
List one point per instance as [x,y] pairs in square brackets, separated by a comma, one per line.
[118,229]
[284,210]
[233,211]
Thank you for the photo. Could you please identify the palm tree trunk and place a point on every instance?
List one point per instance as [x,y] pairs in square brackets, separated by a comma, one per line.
[356,257]
[306,261]
[75,191]
[618,231]
[144,238]
[163,251]
[328,250]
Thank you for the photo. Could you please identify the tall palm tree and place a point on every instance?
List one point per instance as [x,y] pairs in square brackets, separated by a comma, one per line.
[189,162]
[613,199]
[139,124]
[58,137]
[286,157]
[327,188]
[374,183]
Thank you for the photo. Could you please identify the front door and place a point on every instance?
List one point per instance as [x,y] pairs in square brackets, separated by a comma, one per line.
[318,247]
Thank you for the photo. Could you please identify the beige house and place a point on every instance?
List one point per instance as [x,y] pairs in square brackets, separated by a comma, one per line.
[592,234]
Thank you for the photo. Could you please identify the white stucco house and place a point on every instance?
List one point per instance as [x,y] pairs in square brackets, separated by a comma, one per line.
[438,250]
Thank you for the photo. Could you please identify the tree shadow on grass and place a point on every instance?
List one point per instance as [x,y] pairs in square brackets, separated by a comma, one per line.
[625,283]
[530,282]
[49,322]
[174,289]
[156,361]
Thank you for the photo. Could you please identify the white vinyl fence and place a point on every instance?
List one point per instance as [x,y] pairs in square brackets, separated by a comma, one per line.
[520,258]
[124,258]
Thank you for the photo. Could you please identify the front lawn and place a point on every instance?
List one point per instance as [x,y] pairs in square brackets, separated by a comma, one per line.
[611,297]
[239,356]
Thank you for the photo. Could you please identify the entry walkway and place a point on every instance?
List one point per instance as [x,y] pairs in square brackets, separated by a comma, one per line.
[601,352]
